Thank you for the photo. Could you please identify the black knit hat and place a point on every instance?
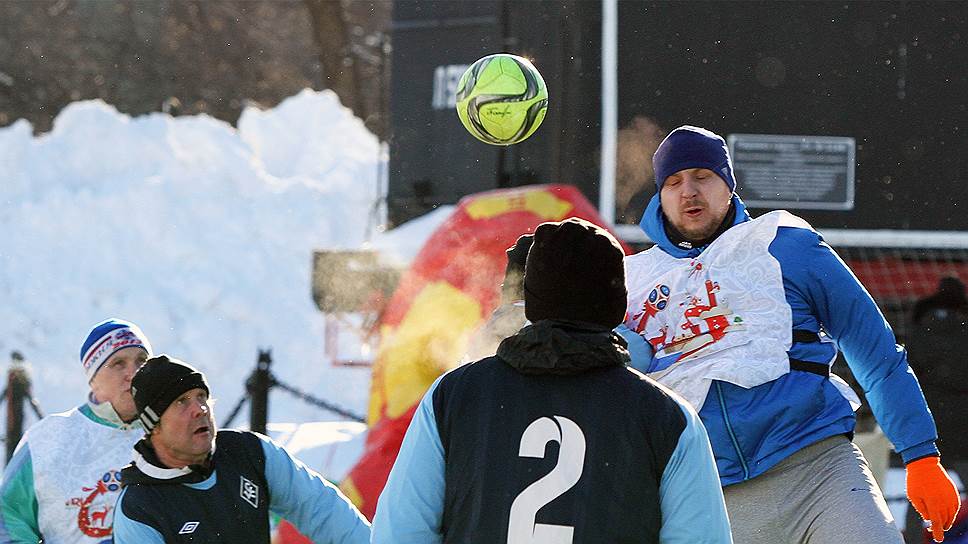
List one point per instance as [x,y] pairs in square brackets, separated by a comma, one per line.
[158,383]
[575,271]
[513,286]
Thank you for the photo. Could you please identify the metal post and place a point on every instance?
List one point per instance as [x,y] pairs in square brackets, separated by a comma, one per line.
[606,184]
[18,389]
[258,386]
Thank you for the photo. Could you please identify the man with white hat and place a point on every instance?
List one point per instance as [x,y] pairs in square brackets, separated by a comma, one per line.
[63,480]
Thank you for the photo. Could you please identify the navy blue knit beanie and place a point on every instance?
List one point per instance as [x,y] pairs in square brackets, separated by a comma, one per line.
[692,147]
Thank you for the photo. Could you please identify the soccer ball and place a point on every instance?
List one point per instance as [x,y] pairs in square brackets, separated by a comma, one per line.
[501,99]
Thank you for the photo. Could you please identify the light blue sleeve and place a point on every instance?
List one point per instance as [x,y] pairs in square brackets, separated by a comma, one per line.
[639,349]
[411,507]
[693,508]
[129,531]
[313,505]
[815,273]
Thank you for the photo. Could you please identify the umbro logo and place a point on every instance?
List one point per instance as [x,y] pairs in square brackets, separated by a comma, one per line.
[249,492]
[188,528]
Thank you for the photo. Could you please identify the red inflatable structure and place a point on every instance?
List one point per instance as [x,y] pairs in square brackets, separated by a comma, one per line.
[448,292]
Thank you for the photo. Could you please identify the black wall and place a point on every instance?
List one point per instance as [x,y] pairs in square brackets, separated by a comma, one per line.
[433,160]
[892,75]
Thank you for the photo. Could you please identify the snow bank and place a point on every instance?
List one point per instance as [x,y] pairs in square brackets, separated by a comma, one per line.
[200,233]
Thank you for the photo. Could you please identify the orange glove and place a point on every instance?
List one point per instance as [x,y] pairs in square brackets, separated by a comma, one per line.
[933,494]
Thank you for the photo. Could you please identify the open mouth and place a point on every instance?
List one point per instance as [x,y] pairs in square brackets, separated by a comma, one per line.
[693,212]
[202,430]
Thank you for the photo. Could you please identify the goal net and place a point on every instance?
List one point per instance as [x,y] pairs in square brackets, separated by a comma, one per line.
[899,268]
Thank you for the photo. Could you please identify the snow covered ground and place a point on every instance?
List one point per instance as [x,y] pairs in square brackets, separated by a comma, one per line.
[199,232]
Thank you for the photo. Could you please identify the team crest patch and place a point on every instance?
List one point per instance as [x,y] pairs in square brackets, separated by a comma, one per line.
[249,492]
[96,506]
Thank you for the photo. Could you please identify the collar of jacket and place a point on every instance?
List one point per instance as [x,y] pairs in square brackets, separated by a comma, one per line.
[147,468]
[553,346]
[104,414]
[653,223]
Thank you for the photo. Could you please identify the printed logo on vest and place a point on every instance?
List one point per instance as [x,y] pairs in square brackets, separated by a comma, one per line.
[188,528]
[699,320]
[94,517]
[249,492]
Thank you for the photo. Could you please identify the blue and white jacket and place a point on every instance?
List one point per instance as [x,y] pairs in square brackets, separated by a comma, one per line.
[734,362]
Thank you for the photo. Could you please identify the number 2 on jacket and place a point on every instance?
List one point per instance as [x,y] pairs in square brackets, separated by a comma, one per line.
[522,528]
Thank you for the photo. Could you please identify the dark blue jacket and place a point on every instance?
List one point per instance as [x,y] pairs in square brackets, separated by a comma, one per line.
[249,476]
[554,435]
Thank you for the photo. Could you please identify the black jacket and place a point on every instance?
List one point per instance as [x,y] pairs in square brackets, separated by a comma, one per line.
[554,430]
[936,353]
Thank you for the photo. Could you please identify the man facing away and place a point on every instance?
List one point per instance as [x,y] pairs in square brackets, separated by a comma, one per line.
[191,483]
[743,317]
[555,439]
[61,484]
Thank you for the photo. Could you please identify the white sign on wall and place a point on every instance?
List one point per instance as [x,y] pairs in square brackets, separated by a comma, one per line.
[805,172]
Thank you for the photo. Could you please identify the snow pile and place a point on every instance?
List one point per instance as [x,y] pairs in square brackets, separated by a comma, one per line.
[200,233]
[398,247]
[330,447]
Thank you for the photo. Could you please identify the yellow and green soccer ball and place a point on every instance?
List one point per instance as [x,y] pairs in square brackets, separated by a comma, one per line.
[502,99]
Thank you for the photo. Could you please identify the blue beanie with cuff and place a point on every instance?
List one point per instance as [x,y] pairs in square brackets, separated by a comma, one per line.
[692,147]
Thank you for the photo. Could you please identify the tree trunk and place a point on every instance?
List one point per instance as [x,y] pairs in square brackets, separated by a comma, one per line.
[340,71]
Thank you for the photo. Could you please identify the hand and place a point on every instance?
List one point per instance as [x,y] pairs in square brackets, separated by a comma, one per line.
[933,494]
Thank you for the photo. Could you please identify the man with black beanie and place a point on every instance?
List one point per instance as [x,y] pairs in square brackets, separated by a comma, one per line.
[540,442]
[191,483]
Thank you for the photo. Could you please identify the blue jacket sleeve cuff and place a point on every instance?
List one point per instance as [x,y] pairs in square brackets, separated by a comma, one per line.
[640,351]
[924,449]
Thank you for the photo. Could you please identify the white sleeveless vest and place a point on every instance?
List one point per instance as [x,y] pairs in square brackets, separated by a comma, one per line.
[720,316]
[77,475]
